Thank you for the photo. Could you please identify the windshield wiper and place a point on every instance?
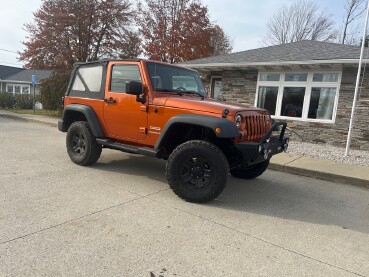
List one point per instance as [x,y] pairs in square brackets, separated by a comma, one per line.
[193,92]
[169,90]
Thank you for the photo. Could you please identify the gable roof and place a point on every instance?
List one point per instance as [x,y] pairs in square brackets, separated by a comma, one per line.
[306,50]
[26,75]
[8,70]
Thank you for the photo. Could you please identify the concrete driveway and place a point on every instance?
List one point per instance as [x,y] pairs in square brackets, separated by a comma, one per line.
[119,218]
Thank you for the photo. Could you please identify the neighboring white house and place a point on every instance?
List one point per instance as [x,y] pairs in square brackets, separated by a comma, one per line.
[19,80]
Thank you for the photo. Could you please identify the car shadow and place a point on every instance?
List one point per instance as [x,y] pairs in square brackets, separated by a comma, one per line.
[274,194]
[298,198]
[135,165]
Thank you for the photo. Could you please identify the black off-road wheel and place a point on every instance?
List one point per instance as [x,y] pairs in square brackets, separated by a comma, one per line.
[81,144]
[197,171]
[250,172]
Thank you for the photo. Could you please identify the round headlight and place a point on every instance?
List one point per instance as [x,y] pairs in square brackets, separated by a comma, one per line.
[238,120]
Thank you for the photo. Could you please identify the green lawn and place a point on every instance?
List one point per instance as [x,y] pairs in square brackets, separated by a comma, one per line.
[38,112]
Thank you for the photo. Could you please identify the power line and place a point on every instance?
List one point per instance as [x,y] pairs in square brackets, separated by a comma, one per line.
[5,50]
[6,63]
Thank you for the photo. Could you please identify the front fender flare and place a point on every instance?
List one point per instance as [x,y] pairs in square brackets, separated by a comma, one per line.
[227,127]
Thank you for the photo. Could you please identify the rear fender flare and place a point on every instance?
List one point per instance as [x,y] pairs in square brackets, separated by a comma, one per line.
[89,114]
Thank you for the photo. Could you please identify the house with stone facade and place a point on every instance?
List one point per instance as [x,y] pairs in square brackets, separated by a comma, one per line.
[309,84]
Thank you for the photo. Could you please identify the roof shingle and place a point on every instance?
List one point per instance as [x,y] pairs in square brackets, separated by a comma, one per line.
[8,70]
[296,51]
[26,75]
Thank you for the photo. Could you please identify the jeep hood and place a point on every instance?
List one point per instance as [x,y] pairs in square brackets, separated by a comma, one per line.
[207,105]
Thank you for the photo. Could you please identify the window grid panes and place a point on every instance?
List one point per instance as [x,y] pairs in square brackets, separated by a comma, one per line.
[325,77]
[269,77]
[268,98]
[321,103]
[306,96]
[293,101]
[18,89]
[295,77]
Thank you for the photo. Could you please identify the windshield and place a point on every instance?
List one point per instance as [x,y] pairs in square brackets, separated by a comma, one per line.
[174,79]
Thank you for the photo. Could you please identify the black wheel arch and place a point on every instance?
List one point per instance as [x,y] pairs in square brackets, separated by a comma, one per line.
[78,112]
[196,124]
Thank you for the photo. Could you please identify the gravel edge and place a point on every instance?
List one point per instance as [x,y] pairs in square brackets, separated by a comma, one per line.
[328,152]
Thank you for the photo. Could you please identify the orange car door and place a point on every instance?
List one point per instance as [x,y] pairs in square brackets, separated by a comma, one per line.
[124,117]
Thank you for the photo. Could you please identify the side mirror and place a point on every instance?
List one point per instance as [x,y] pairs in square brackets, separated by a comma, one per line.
[136,88]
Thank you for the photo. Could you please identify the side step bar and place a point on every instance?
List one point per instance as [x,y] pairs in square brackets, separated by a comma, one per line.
[148,151]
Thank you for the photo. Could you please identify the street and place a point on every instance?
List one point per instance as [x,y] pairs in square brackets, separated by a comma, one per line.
[120,218]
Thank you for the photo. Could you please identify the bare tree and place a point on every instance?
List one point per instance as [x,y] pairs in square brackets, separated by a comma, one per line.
[300,21]
[220,42]
[353,10]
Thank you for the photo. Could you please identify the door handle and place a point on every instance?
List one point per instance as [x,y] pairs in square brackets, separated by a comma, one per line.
[110,100]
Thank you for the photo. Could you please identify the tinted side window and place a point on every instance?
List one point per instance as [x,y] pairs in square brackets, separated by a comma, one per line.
[121,74]
[87,82]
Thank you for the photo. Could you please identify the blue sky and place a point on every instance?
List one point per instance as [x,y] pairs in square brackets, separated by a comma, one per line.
[243,20]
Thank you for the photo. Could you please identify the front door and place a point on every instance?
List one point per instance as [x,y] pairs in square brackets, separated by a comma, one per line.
[125,118]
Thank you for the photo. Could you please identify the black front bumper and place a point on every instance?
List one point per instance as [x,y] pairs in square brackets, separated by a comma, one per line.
[256,152]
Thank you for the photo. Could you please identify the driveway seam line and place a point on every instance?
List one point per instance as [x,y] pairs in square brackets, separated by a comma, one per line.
[78,218]
[292,161]
[260,239]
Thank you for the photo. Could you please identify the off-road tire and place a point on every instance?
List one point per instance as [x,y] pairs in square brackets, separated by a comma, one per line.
[251,172]
[197,171]
[81,144]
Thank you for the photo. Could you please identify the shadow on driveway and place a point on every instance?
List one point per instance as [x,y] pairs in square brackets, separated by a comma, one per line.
[273,194]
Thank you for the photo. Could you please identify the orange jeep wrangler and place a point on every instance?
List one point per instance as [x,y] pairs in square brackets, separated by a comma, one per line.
[161,110]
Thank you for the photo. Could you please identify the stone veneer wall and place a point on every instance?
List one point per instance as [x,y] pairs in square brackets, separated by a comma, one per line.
[240,86]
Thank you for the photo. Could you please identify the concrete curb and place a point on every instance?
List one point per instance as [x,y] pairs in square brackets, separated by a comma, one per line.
[27,119]
[353,175]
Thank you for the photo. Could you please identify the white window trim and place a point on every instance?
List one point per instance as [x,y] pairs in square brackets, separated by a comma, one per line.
[21,85]
[308,86]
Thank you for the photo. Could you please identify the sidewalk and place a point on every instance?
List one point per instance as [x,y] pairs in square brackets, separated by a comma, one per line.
[43,119]
[354,175]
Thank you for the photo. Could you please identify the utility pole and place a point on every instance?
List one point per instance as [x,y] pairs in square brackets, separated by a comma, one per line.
[34,90]
[357,85]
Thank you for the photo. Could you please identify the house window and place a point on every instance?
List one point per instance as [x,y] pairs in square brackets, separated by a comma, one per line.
[17,89]
[269,77]
[216,87]
[10,88]
[268,98]
[306,96]
[293,101]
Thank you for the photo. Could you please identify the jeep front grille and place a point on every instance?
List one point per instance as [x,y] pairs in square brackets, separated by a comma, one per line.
[256,127]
